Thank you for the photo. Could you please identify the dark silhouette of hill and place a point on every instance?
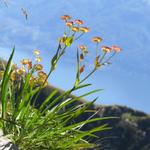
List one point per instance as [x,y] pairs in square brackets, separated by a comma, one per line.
[130,131]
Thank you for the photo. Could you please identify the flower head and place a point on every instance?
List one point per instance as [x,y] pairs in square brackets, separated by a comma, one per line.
[97,39]
[116,48]
[32,80]
[42,74]
[106,49]
[83,48]
[38,67]
[25,61]
[84,29]
[65,17]
[75,29]
[79,22]
[38,59]
[69,23]
[42,81]
[21,71]
[13,75]
[36,52]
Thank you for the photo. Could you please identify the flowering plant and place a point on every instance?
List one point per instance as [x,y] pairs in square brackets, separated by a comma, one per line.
[51,125]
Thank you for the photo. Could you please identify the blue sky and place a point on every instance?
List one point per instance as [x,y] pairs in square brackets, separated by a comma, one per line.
[121,22]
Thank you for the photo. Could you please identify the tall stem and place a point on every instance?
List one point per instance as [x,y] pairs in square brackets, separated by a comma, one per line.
[79,36]
[88,75]
[103,56]
[51,70]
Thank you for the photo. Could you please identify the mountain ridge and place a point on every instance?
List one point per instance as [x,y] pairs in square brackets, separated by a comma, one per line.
[130,130]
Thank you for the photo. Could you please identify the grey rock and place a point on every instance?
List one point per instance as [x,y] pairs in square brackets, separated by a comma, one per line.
[5,143]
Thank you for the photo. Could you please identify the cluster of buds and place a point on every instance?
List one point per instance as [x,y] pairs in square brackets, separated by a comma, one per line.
[41,76]
[37,57]
[103,56]
[99,59]
[39,80]
[103,53]
[74,26]
[17,72]
[82,55]
[26,62]
[38,76]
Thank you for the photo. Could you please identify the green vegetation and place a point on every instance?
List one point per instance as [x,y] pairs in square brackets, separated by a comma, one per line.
[52,125]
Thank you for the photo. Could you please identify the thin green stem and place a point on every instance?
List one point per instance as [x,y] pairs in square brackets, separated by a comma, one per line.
[51,70]
[78,68]
[88,75]
[79,36]
[103,56]
[97,49]
[109,58]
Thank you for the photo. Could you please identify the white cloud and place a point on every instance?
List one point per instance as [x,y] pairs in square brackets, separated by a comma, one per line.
[16,27]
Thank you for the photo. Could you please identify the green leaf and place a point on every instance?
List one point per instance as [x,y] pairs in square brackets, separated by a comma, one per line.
[55,58]
[48,99]
[78,72]
[77,125]
[5,87]
[69,41]
[82,86]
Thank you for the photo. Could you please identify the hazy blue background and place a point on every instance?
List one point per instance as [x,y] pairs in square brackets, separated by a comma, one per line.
[122,22]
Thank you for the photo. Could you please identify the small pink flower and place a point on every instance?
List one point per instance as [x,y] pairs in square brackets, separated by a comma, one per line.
[116,48]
